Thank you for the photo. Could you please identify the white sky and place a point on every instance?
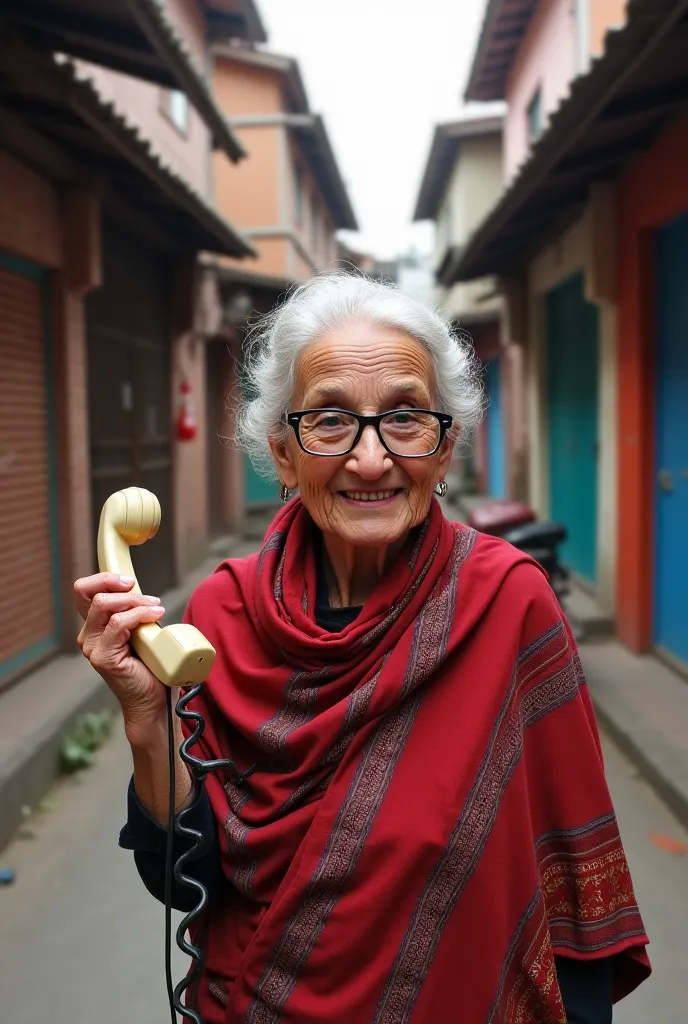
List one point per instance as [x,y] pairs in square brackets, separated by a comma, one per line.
[383,73]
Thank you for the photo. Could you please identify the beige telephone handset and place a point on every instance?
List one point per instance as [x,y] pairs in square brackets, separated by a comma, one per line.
[178,655]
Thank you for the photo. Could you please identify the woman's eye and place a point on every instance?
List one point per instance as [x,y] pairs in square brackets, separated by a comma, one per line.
[329,422]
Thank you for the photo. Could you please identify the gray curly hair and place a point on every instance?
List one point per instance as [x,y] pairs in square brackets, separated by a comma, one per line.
[320,306]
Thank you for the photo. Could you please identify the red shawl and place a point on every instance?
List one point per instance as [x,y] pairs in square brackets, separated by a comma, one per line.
[429,823]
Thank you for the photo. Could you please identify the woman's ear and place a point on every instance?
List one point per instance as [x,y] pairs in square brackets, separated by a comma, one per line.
[284,462]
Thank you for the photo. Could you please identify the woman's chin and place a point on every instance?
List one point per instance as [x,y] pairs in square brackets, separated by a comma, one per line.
[381,532]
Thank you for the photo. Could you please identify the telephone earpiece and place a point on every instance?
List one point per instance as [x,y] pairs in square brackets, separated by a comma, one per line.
[178,655]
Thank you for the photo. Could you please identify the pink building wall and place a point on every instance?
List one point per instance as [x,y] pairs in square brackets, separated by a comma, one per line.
[547,61]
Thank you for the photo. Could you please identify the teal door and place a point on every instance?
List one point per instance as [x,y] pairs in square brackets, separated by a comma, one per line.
[258,490]
[671,476]
[496,467]
[572,405]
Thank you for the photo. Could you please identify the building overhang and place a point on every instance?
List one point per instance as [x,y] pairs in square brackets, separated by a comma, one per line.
[611,116]
[56,121]
[504,26]
[243,276]
[314,143]
[444,273]
[444,151]
[135,37]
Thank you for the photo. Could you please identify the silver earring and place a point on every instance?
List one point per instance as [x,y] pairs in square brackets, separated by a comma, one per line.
[441,489]
[284,493]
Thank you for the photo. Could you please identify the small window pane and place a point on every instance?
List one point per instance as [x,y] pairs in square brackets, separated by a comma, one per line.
[179,110]
[534,115]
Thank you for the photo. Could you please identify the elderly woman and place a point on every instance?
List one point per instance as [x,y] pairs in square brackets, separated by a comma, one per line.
[427,835]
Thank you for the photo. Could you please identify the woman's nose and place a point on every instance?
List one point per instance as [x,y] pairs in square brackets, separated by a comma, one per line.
[369,458]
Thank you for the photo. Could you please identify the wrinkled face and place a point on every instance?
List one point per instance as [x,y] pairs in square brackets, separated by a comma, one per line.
[366,369]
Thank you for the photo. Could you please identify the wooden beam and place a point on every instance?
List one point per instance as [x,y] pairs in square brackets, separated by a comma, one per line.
[649,101]
[35,149]
[100,40]
[82,240]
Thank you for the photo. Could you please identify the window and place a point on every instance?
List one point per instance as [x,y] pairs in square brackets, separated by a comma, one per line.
[534,117]
[298,194]
[175,106]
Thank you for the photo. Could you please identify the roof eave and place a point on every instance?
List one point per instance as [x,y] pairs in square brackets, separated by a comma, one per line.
[165,40]
[477,90]
[328,174]
[444,149]
[287,67]
[251,27]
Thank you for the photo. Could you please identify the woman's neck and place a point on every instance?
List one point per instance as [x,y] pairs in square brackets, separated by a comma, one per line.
[352,573]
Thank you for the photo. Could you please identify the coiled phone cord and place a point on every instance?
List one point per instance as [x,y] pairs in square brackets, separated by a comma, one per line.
[198,770]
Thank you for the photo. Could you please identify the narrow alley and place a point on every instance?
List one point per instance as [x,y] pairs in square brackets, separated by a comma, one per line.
[81,940]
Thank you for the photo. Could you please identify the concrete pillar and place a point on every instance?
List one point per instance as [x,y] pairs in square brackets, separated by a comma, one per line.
[81,273]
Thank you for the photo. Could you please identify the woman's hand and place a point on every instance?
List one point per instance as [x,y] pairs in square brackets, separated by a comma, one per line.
[111,613]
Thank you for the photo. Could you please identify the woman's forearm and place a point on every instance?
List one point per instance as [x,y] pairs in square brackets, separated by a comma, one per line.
[149,747]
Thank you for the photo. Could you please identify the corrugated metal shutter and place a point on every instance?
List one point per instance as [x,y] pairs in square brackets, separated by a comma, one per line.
[129,391]
[28,615]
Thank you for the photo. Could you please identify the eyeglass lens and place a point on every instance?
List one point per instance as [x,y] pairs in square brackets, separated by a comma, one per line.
[404,432]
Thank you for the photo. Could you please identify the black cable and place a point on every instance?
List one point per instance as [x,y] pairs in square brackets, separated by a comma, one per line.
[198,769]
[169,844]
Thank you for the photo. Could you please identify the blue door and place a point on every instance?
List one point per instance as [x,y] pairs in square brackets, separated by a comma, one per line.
[496,466]
[572,371]
[671,477]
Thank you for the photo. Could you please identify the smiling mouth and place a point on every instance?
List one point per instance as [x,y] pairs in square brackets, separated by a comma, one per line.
[371,496]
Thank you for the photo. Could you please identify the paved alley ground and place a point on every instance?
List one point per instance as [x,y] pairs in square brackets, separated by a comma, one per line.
[81,942]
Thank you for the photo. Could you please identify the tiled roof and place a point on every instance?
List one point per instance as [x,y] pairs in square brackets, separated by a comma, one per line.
[52,97]
[135,37]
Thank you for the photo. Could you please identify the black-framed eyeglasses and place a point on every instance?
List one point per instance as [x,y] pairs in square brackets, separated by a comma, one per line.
[409,433]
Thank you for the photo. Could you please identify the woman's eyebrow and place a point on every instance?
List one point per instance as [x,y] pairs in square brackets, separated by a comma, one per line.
[402,388]
[340,398]
[326,396]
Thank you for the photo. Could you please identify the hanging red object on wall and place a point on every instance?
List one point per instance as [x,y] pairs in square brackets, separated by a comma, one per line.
[187,422]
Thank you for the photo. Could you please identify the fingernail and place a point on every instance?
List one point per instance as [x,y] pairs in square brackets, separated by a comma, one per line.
[128,581]
[151,599]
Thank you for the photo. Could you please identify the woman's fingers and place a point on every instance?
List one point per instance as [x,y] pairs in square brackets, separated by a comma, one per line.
[103,606]
[110,650]
[86,588]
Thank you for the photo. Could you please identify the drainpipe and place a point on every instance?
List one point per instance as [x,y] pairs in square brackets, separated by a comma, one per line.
[582,18]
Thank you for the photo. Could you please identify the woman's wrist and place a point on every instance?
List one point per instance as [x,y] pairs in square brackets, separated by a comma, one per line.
[146,734]
[150,753]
